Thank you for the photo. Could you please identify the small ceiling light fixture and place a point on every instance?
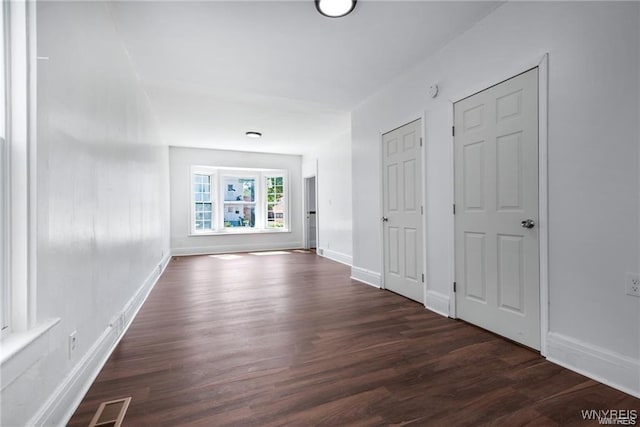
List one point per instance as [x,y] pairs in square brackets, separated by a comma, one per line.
[252,134]
[335,8]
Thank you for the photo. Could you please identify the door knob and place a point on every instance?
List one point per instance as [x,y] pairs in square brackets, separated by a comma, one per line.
[385,219]
[528,223]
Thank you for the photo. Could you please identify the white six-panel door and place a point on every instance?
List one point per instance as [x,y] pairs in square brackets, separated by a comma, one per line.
[402,210]
[496,216]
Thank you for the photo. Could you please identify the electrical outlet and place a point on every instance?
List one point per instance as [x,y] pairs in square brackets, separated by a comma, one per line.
[633,284]
[73,343]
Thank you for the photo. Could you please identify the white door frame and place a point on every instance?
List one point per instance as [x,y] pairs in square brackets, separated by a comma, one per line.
[543,191]
[305,228]
[412,118]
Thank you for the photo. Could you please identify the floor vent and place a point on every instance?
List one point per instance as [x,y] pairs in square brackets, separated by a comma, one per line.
[111,414]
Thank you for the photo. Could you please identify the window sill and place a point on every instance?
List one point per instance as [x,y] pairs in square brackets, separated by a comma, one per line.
[14,342]
[30,345]
[239,232]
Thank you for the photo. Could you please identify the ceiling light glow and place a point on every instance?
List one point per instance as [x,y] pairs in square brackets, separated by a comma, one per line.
[252,134]
[335,8]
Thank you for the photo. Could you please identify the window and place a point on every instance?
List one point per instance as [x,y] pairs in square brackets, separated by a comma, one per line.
[203,201]
[226,200]
[275,202]
[4,182]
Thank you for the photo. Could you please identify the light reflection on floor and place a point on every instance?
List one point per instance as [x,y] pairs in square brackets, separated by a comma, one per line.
[270,253]
[226,256]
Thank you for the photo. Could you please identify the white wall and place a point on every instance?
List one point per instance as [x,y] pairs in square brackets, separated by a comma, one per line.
[102,209]
[334,197]
[593,166]
[181,160]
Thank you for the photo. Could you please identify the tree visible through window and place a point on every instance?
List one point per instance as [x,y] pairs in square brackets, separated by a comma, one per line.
[275,202]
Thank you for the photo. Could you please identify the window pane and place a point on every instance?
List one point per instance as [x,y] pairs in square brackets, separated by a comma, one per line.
[203,215]
[276,203]
[239,189]
[201,188]
[240,215]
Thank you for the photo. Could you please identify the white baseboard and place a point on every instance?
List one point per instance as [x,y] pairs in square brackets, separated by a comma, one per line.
[437,302]
[226,249]
[63,402]
[366,276]
[338,257]
[613,369]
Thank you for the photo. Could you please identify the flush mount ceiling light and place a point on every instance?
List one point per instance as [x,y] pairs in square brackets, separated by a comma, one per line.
[252,134]
[335,8]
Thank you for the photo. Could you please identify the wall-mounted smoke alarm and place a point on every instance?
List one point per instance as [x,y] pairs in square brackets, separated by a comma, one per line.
[433,91]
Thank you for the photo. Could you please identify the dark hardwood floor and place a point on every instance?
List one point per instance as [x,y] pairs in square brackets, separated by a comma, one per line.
[291,340]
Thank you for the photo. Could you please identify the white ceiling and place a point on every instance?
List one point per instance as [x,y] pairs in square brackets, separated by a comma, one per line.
[214,70]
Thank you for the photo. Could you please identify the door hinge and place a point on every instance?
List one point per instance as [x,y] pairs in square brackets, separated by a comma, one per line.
[422,277]
[454,287]
[454,208]
[420,141]
[453,131]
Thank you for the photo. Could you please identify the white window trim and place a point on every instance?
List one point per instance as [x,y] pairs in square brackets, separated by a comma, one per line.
[4,241]
[20,191]
[217,181]
[21,309]
[4,179]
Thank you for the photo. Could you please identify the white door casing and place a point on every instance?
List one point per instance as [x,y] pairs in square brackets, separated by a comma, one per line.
[496,188]
[402,211]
